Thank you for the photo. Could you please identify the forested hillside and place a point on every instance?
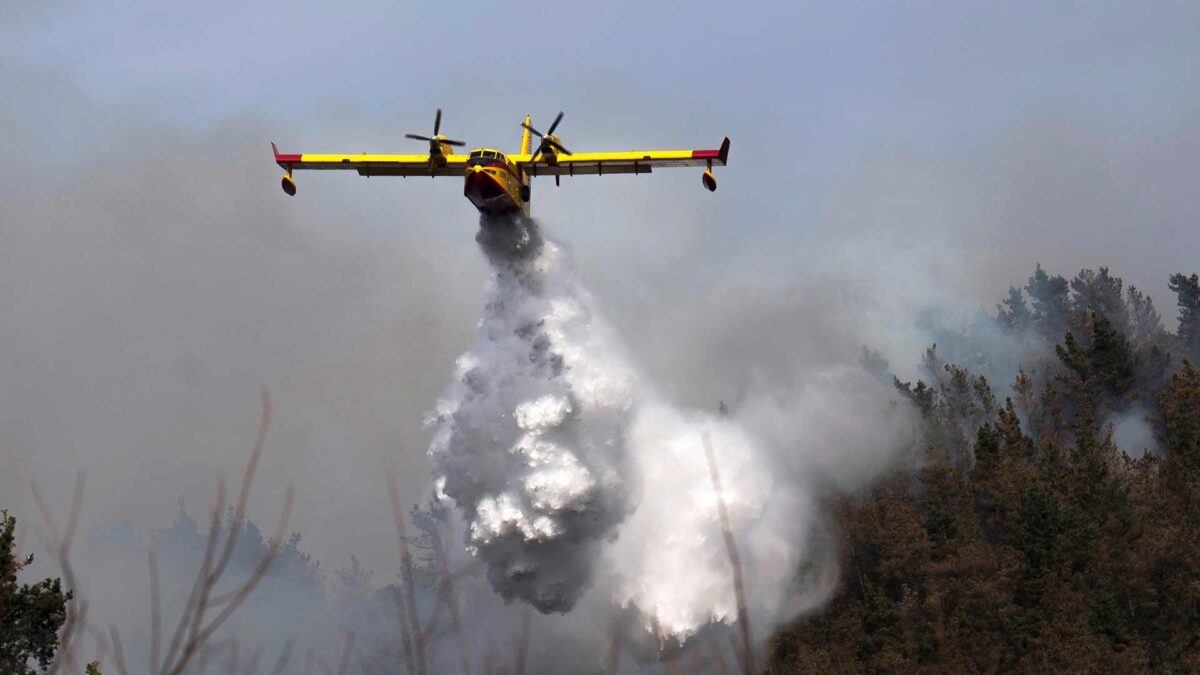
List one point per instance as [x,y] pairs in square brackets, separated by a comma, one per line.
[1050,523]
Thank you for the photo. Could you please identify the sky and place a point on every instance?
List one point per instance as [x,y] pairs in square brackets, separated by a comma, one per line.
[818,100]
[155,276]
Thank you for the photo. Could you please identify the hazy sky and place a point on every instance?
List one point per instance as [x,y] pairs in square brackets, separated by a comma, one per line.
[927,108]
[146,236]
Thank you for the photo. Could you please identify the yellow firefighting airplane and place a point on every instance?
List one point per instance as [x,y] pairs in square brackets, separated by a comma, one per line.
[497,183]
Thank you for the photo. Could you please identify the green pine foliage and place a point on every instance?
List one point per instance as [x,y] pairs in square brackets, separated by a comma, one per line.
[30,614]
[1187,290]
[1023,538]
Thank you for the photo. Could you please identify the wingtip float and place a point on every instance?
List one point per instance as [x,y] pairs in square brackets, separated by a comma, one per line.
[497,183]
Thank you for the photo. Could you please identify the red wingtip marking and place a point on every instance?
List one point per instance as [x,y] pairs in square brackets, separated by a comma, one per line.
[284,160]
[720,155]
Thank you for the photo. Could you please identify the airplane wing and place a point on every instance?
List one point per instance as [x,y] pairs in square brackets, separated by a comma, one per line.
[632,161]
[373,165]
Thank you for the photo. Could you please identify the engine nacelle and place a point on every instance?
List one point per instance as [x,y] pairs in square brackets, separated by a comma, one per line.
[288,185]
[709,180]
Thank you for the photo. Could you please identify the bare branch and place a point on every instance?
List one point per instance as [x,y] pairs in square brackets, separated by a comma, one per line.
[452,603]
[244,591]
[435,615]
[239,513]
[60,548]
[402,624]
[118,651]
[406,572]
[101,645]
[194,595]
[193,632]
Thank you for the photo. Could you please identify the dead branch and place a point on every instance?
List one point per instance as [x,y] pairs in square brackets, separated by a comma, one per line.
[243,592]
[406,572]
[405,638]
[209,546]
[452,602]
[118,651]
[60,548]
[195,627]
[101,645]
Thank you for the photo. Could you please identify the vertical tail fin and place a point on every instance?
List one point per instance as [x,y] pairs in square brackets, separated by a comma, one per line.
[526,148]
[526,141]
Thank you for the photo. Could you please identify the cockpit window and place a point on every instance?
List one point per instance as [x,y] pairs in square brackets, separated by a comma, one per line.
[485,157]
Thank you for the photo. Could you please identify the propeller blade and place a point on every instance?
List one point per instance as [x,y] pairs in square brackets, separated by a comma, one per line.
[419,137]
[555,124]
[447,141]
[559,146]
[437,122]
[533,158]
[535,132]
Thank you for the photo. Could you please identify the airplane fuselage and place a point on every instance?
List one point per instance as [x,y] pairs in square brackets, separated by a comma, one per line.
[494,184]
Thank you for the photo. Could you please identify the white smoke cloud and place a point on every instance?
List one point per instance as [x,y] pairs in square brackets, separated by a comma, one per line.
[571,471]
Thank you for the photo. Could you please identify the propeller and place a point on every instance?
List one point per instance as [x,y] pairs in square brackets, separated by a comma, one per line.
[437,136]
[548,139]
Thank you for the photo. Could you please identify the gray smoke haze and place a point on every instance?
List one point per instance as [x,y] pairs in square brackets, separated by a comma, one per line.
[150,286]
[153,278]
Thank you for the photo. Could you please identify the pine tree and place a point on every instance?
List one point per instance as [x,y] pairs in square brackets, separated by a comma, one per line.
[1013,312]
[1112,358]
[1100,372]
[1047,549]
[1187,291]
[1099,293]
[1180,409]
[1145,325]
[30,614]
[1051,303]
